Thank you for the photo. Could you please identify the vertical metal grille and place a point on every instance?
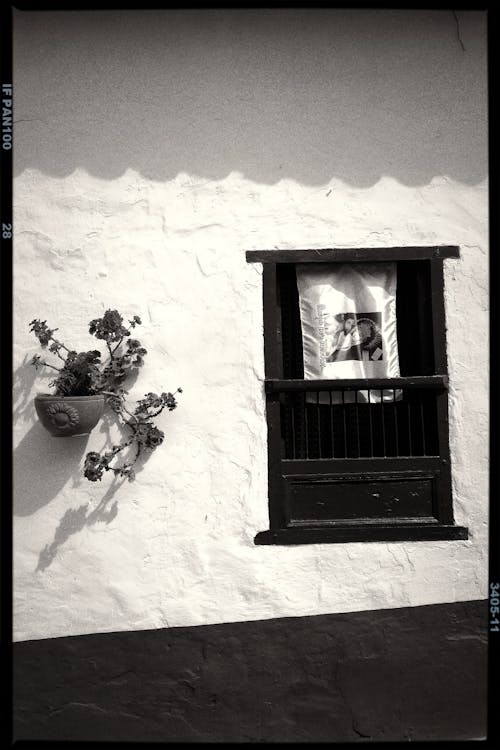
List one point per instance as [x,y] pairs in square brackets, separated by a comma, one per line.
[351,429]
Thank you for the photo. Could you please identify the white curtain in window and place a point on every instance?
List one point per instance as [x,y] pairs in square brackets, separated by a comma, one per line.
[348,319]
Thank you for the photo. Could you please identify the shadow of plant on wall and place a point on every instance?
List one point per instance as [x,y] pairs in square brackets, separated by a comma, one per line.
[38,449]
[22,390]
[75,520]
[57,458]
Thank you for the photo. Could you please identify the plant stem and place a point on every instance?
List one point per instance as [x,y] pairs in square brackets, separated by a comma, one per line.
[116,347]
[131,415]
[156,413]
[46,364]
[123,445]
[118,395]
[59,343]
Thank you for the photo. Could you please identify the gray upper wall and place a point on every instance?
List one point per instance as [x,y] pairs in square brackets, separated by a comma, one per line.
[293,93]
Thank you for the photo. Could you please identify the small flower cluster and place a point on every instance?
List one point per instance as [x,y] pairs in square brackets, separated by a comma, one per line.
[148,435]
[110,327]
[134,354]
[42,331]
[114,399]
[36,362]
[96,464]
[155,402]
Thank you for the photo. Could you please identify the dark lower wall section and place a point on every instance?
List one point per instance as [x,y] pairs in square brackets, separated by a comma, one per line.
[417,673]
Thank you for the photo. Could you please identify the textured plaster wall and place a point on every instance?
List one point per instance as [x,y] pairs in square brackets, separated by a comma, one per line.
[151,150]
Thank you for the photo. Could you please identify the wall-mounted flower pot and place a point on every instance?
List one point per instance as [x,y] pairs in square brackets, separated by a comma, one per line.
[69,416]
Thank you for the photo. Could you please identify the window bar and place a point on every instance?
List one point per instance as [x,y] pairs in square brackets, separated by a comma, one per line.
[292,410]
[357,422]
[318,417]
[422,420]
[331,424]
[382,416]
[410,451]
[370,420]
[344,422]
[306,428]
[396,428]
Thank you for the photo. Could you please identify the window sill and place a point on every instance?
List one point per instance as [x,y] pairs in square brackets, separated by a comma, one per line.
[416,532]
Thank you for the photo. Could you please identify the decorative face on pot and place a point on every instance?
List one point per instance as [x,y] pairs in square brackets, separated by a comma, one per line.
[63,416]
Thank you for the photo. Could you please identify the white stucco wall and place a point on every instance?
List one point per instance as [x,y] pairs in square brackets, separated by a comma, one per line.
[151,150]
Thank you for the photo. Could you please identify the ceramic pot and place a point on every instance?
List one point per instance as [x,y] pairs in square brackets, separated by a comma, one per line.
[69,416]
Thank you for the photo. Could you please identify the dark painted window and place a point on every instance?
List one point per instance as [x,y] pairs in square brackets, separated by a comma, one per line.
[341,470]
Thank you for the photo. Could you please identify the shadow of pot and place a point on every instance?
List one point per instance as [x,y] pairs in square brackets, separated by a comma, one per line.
[69,416]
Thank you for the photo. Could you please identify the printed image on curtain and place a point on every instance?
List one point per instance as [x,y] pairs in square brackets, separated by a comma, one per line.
[357,336]
[348,321]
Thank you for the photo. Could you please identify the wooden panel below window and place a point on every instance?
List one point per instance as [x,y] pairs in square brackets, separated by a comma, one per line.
[326,498]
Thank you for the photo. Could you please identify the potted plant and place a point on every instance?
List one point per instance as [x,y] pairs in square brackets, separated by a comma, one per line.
[84,384]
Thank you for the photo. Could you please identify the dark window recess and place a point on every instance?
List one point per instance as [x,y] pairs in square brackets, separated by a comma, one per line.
[341,469]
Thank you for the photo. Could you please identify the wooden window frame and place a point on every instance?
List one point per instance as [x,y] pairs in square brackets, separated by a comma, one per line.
[284,475]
